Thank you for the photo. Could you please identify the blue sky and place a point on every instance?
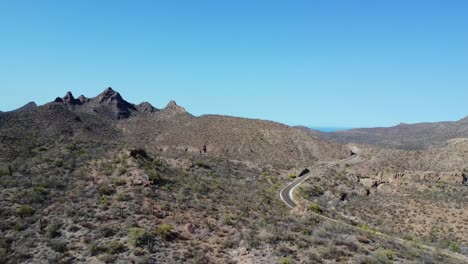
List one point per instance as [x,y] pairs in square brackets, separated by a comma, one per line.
[318,63]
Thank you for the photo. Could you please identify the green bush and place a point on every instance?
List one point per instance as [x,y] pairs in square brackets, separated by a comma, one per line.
[119,181]
[292,175]
[106,168]
[105,190]
[122,197]
[316,208]
[316,191]
[285,260]
[121,170]
[25,210]
[137,236]
[154,177]
[40,190]
[95,249]
[165,231]
[115,247]
[107,231]
[366,228]
[58,162]
[19,227]
[203,165]
[53,231]
[455,247]
[384,255]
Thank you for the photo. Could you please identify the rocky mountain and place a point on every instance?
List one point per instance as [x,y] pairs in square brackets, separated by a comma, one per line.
[403,136]
[172,129]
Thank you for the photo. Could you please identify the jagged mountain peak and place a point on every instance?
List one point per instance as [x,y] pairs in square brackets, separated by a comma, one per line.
[69,99]
[111,103]
[172,105]
[109,96]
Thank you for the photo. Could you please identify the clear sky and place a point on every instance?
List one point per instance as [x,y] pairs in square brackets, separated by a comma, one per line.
[318,63]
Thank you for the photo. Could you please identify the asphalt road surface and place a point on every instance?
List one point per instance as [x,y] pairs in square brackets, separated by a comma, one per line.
[286,193]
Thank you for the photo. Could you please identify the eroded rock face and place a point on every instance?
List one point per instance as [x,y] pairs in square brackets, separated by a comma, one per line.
[69,99]
[83,99]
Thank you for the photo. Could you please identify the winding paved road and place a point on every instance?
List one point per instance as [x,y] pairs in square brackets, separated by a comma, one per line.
[286,193]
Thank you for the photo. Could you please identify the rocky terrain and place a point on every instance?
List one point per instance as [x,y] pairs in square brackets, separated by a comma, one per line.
[103,180]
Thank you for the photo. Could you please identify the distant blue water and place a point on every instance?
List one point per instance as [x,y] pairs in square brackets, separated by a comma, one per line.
[330,129]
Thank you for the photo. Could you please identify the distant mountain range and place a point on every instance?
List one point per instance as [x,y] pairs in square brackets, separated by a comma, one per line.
[403,136]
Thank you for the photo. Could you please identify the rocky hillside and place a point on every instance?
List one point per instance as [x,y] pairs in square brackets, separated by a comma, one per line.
[403,136]
[109,117]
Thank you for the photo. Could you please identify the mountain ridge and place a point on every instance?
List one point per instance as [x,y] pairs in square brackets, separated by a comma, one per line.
[405,136]
[173,130]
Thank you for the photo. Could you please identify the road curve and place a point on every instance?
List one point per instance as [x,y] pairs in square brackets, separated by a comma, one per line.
[286,194]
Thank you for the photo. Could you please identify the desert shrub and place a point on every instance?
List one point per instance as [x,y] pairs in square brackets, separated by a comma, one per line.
[58,162]
[455,247]
[19,227]
[3,255]
[122,197]
[105,190]
[58,245]
[165,231]
[316,208]
[53,230]
[119,181]
[121,170]
[366,228]
[384,255]
[25,210]
[137,236]
[107,231]
[292,175]
[4,171]
[252,240]
[95,249]
[115,247]
[154,177]
[40,190]
[203,165]
[285,260]
[316,191]
[106,168]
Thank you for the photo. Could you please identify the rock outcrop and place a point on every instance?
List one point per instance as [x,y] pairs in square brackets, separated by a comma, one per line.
[174,107]
[146,107]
